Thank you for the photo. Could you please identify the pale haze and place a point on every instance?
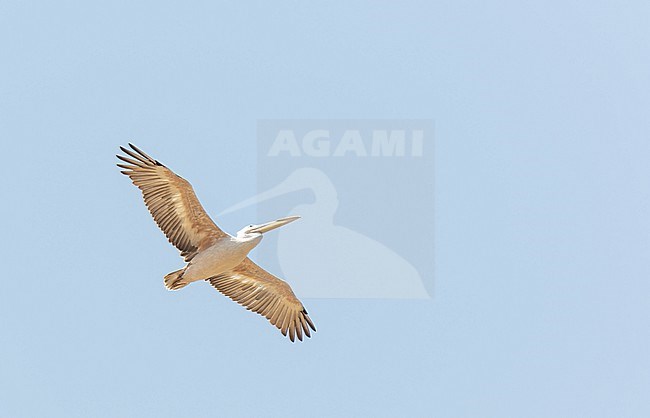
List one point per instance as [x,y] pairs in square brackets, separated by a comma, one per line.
[539,302]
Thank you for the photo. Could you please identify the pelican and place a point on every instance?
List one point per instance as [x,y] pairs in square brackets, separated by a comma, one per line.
[337,256]
[210,253]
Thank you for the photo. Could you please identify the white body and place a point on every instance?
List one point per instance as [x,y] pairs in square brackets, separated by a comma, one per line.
[222,256]
[339,262]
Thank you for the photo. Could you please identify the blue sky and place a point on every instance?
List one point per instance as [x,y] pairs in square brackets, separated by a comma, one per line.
[540,303]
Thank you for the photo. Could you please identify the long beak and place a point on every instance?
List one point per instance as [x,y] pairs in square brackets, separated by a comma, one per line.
[273,224]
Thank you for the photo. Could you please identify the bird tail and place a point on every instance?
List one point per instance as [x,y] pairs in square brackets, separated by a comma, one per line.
[174,280]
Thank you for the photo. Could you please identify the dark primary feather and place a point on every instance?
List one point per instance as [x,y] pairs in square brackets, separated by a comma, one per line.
[263,293]
[171,202]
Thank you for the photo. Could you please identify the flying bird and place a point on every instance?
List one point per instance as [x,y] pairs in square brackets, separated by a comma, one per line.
[210,253]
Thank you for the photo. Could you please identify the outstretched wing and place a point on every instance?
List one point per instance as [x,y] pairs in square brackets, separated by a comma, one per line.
[259,291]
[172,203]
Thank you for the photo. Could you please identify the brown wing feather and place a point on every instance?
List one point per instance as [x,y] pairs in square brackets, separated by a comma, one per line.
[259,291]
[172,203]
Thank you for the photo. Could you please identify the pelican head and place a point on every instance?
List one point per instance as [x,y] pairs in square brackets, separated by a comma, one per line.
[258,230]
